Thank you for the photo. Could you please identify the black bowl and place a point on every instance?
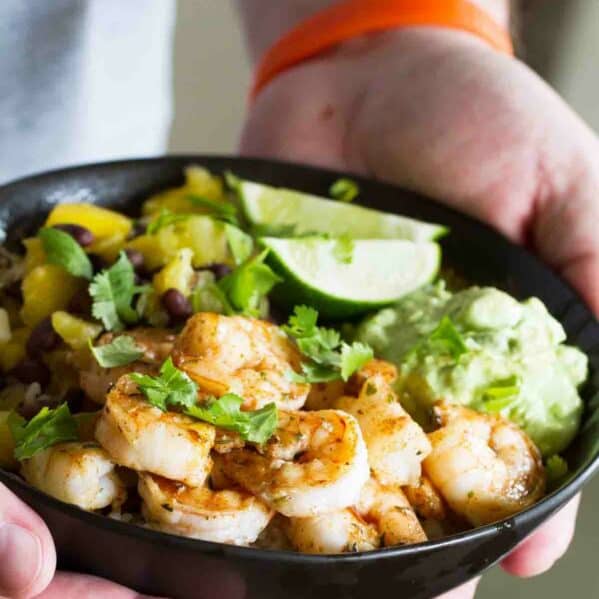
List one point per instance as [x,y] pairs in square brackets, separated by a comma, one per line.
[172,566]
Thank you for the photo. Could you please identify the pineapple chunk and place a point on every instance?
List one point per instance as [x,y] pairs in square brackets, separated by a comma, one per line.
[198,181]
[46,289]
[34,253]
[100,221]
[13,351]
[177,274]
[75,332]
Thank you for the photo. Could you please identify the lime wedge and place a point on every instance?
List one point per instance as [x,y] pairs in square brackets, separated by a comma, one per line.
[264,205]
[376,272]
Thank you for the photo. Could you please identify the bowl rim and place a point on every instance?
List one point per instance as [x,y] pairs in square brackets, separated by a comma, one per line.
[537,513]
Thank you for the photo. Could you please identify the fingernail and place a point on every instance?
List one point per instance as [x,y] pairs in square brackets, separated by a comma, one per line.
[20,558]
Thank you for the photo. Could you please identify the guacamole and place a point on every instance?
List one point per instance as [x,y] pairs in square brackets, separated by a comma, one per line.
[482,348]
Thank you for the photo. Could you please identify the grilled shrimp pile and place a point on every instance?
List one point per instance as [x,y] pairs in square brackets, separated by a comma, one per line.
[347,469]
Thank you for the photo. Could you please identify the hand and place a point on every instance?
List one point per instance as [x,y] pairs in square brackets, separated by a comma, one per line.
[438,112]
[28,560]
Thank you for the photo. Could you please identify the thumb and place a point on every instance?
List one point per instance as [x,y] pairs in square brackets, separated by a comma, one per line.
[27,555]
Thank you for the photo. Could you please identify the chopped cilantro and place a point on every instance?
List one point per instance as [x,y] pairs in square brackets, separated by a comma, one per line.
[165,219]
[256,426]
[121,351]
[171,387]
[343,250]
[240,243]
[218,210]
[112,291]
[248,284]
[328,357]
[48,427]
[500,394]
[61,249]
[344,190]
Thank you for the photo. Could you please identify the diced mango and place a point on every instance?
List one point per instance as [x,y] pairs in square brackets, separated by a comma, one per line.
[75,332]
[12,352]
[108,248]
[100,221]
[198,181]
[34,253]
[7,444]
[46,289]
[203,235]
[177,274]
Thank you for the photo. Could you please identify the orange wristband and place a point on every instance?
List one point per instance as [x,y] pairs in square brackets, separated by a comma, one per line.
[352,18]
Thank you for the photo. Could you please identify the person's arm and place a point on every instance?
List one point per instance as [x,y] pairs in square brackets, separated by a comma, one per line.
[437,111]
[264,26]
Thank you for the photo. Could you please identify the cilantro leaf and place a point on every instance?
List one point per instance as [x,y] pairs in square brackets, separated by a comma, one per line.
[165,219]
[344,190]
[170,387]
[248,284]
[499,395]
[61,249]
[448,338]
[121,351]
[240,243]
[353,357]
[112,291]
[218,210]
[209,297]
[343,250]
[328,357]
[48,427]
[256,426]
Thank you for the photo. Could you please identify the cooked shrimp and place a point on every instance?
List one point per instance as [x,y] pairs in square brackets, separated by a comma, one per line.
[240,355]
[389,510]
[485,467]
[142,437]
[382,516]
[77,473]
[228,516]
[396,444]
[343,531]
[426,500]
[96,381]
[323,396]
[315,463]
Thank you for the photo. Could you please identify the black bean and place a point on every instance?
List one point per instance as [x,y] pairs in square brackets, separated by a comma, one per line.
[137,260]
[176,304]
[98,262]
[43,338]
[30,407]
[74,399]
[14,290]
[219,270]
[81,235]
[29,370]
[81,302]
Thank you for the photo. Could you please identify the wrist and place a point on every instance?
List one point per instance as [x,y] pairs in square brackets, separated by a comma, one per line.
[264,27]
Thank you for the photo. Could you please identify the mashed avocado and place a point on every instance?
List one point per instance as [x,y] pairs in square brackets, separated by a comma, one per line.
[482,348]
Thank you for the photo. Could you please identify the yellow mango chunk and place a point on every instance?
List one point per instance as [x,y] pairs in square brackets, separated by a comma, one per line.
[198,181]
[108,248]
[100,221]
[177,274]
[46,289]
[203,235]
[13,351]
[34,253]
[75,332]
